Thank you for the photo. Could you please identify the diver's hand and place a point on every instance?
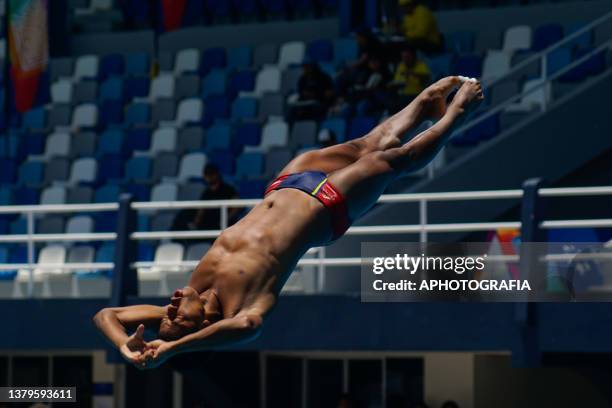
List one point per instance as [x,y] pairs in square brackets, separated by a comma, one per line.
[157,352]
[133,349]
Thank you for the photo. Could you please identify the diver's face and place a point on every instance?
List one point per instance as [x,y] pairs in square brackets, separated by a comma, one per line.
[186,310]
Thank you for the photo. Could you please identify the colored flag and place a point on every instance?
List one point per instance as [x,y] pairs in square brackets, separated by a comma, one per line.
[173,11]
[29,49]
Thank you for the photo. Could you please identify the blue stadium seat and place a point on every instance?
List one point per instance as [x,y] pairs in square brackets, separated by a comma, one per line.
[345,50]
[219,8]
[19,254]
[252,188]
[31,174]
[108,193]
[138,64]
[239,57]
[105,222]
[138,114]
[460,42]
[106,253]
[138,139]
[138,169]
[217,107]
[19,226]
[244,108]
[31,143]
[572,235]
[8,171]
[136,87]
[360,126]
[25,196]
[111,142]
[583,40]
[218,137]
[213,58]
[320,51]
[546,35]
[558,59]
[111,113]
[249,165]
[111,169]
[440,65]
[144,222]
[146,252]
[34,119]
[468,65]
[111,65]
[112,89]
[215,83]
[484,130]
[593,65]
[6,196]
[141,192]
[241,81]
[337,126]
[247,134]
[225,160]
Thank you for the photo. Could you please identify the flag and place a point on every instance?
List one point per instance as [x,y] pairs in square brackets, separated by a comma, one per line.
[173,11]
[28,48]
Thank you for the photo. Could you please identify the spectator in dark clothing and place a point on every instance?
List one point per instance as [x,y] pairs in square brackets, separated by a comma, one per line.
[372,95]
[208,218]
[315,94]
[216,189]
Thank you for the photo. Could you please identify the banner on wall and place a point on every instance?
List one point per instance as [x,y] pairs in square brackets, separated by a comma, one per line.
[28,48]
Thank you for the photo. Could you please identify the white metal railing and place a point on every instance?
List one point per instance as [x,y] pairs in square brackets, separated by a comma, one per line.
[423,228]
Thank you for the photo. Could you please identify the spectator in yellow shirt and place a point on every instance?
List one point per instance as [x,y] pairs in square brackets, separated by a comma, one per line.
[419,26]
[411,76]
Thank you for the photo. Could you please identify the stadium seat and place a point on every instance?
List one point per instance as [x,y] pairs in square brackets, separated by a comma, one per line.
[31,174]
[53,195]
[190,111]
[320,51]
[345,50]
[517,38]
[137,139]
[337,126]
[187,61]
[83,170]
[187,86]
[162,140]
[163,112]
[276,160]
[85,116]
[190,191]
[271,106]
[112,89]
[138,114]
[164,166]
[583,40]
[195,252]
[162,87]
[558,59]
[265,54]
[57,145]
[213,58]
[86,67]
[85,91]
[274,134]
[112,170]
[80,224]
[59,115]
[79,195]
[593,65]
[137,64]
[239,57]
[224,160]
[56,170]
[536,99]
[268,80]
[61,91]
[192,165]
[107,194]
[217,107]
[546,35]
[290,80]
[303,134]
[6,196]
[164,192]
[107,221]
[111,142]
[138,169]
[61,68]
[244,108]
[249,165]
[34,119]
[190,139]
[215,83]
[165,62]
[291,53]
[219,9]
[247,134]
[137,87]
[241,81]
[50,225]
[112,65]
[161,221]
[496,64]
[218,136]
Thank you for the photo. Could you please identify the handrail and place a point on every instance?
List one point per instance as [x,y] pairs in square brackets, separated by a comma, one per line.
[502,106]
[59,208]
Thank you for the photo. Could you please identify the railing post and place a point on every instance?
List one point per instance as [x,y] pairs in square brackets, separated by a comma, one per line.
[31,260]
[423,220]
[526,351]
[224,221]
[321,270]
[125,278]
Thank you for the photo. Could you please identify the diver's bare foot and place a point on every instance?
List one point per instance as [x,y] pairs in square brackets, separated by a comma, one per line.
[434,96]
[468,97]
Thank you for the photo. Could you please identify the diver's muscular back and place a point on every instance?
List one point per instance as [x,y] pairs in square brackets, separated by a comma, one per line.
[250,261]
